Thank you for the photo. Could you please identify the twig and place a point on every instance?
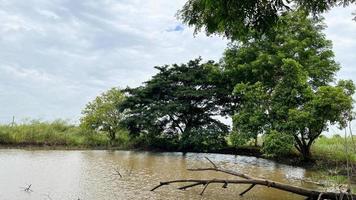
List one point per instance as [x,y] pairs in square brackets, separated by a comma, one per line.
[230,172]
[162,184]
[117,172]
[189,186]
[248,189]
[206,185]
[212,163]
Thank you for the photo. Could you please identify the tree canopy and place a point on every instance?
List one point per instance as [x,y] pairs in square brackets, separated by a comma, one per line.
[178,102]
[235,18]
[284,82]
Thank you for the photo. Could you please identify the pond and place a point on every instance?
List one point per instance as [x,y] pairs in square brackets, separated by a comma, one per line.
[93,175]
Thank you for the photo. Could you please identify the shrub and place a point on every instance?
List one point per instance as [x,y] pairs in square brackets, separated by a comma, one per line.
[277,144]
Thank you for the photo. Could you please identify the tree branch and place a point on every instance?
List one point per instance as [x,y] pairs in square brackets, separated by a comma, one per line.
[311,194]
[263,182]
[215,166]
[248,189]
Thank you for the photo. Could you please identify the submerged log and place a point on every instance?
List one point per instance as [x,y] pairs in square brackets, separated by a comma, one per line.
[252,181]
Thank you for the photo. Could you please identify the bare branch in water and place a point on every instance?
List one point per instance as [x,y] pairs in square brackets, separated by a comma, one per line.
[252,181]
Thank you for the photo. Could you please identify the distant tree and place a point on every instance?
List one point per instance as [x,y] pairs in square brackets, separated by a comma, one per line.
[235,18]
[177,102]
[283,82]
[102,114]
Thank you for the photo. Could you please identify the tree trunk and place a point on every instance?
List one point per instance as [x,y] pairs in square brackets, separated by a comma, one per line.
[256,141]
[305,151]
[112,137]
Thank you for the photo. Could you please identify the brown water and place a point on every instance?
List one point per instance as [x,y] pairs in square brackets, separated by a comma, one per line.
[90,175]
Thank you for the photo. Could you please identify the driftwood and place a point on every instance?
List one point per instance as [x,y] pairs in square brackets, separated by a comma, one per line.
[252,181]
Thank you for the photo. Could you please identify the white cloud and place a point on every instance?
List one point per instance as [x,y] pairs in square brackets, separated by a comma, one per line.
[57,55]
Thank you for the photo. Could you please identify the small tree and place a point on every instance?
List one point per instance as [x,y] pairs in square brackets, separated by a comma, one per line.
[102,114]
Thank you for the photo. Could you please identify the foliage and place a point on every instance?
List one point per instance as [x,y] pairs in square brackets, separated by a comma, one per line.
[236,18]
[283,82]
[206,138]
[102,114]
[277,144]
[236,139]
[251,118]
[176,102]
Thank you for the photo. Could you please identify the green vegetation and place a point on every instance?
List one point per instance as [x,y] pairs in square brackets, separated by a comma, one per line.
[284,82]
[178,105]
[277,144]
[57,133]
[333,149]
[235,19]
[102,115]
[328,152]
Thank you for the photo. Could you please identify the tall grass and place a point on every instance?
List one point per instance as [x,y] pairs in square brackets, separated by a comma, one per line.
[56,133]
[333,149]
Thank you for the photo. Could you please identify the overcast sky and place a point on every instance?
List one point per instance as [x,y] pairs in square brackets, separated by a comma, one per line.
[57,55]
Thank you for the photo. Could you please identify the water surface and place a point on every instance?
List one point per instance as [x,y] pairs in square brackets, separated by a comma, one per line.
[92,175]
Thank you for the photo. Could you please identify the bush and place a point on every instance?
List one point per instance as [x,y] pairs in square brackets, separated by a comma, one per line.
[277,144]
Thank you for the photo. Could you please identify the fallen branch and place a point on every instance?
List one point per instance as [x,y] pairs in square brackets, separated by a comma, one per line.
[246,179]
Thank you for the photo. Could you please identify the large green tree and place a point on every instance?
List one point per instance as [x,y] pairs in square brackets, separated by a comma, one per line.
[180,101]
[235,18]
[284,82]
[102,114]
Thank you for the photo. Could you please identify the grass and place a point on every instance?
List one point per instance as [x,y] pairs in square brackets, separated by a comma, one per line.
[333,149]
[331,159]
[56,133]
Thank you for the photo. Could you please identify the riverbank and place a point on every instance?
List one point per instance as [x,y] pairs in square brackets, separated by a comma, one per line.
[321,162]
[328,153]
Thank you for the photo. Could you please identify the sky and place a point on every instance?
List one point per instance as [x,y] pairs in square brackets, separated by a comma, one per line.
[58,55]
